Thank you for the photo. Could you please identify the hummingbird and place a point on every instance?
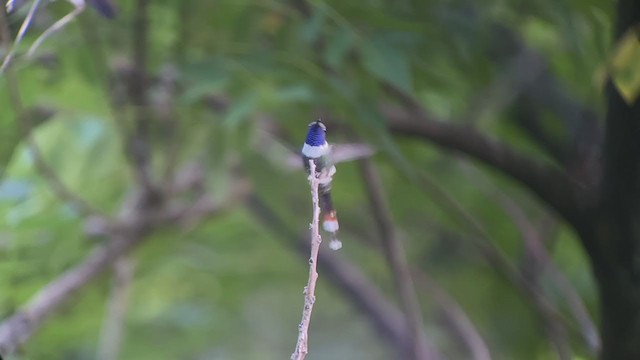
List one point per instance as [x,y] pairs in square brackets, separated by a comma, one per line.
[317,149]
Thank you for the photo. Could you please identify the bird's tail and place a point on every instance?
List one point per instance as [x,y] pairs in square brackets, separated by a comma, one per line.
[330,219]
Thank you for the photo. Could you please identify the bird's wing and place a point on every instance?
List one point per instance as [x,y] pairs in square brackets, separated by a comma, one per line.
[339,153]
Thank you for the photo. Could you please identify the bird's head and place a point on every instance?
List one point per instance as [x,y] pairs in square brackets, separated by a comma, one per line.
[316,134]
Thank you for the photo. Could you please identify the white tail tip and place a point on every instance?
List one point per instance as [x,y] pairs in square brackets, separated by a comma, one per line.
[330,224]
[335,244]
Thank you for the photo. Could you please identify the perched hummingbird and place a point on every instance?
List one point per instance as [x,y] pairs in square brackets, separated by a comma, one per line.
[317,149]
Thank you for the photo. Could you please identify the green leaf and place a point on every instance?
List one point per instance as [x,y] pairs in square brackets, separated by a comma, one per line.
[387,63]
[625,66]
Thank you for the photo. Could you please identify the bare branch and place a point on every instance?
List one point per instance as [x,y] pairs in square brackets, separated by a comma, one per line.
[552,185]
[309,290]
[26,125]
[456,319]
[78,8]
[23,30]
[362,293]
[483,241]
[139,141]
[534,244]
[396,257]
[53,180]
[18,328]
[113,323]
[125,236]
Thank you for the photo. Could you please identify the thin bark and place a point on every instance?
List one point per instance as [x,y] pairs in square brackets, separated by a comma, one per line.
[397,260]
[550,184]
[455,317]
[365,297]
[26,123]
[124,237]
[139,147]
[113,324]
[6,62]
[486,247]
[537,262]
[302,345]
[543,263]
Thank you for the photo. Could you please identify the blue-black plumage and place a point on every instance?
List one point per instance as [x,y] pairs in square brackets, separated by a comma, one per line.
[317,149]
[316,134]
[315,145]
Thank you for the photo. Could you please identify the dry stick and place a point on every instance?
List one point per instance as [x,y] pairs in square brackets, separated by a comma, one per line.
[362,293]
[396,257]
[19,327]
[79,7]
[533,239]
[309,290]
[23,30]
[113,324]
[455,317]
[550,184]
[25,123]
[486,246]
[140,150]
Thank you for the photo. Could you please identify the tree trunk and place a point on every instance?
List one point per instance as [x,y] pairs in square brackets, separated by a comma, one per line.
[612,236]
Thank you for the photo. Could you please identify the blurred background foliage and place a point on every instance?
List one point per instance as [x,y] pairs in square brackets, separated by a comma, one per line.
[234,84]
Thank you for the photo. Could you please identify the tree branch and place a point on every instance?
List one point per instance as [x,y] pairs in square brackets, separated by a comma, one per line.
[528,84]
[542,262]
[483,241]
[6,62]
[139,141]
[456,318]
[364,295]
[309,291]
[550,184]
[25,123]
[396,258]
[113,323]
[130,232]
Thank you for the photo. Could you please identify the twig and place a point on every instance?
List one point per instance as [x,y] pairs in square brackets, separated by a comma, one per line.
[396,257]
[19,327]
[487,248]
[125,236]
[79,7]
[455,317]
[309,290]
[139,149]
[363,294]
[533,238]
[550,184]
[535,246]
[26,125]
[23,30]
[113,324]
